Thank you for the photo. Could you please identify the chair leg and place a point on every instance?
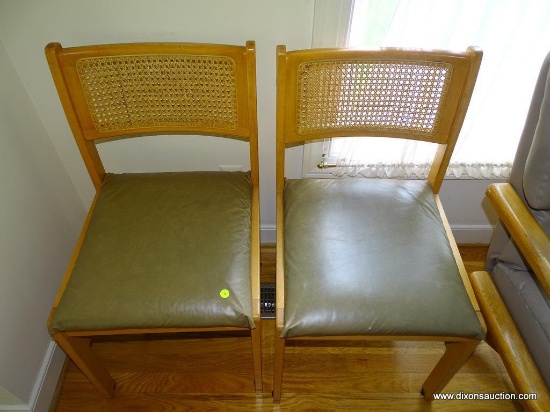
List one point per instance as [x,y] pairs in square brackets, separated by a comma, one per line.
[456,354]
[256,335]
[278,368]
[80,352]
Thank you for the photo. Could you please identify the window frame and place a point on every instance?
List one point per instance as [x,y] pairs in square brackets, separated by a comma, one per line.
[331,23]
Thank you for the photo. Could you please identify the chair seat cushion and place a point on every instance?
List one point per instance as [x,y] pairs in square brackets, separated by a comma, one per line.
[370,257]
[529,306]
[159,249]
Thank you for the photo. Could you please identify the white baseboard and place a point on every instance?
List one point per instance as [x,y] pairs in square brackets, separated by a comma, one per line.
[268,234]
[15,408]
[46,383]
[48,378]
[463,233]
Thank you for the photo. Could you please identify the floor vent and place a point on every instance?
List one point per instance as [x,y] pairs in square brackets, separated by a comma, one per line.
[267,300]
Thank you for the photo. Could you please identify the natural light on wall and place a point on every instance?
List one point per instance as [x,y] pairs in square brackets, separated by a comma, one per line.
[514,36]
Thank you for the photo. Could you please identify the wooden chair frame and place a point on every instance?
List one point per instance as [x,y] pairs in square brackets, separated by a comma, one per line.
[62,62]
[502,333]
[465,68]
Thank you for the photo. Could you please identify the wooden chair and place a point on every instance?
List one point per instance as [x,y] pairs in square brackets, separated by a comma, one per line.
[514,291]
[160,252]
[502,333]
[372,259]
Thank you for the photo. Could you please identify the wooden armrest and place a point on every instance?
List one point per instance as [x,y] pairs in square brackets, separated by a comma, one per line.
[532,241]
[509,343]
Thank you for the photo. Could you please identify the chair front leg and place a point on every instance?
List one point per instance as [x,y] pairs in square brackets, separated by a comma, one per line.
[256,335]
[80,352]
[278,367]
[456,354]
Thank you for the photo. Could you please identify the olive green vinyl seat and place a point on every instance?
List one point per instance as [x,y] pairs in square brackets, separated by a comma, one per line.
[370,257]
[159,250]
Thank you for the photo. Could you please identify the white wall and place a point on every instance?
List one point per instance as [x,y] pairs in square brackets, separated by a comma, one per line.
[39,212]
[27,26]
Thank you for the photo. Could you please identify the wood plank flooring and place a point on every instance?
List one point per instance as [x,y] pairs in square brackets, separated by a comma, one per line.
[189,374]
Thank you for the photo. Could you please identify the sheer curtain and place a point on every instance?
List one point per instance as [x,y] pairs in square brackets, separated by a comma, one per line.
[514,36]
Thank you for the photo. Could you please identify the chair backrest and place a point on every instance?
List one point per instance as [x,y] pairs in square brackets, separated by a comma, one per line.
[126,90]
[530,173]
[411,94]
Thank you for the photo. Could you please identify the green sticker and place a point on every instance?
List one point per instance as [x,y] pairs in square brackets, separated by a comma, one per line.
[224,293]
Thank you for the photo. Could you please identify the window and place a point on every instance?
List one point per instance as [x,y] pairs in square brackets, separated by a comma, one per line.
[515,37]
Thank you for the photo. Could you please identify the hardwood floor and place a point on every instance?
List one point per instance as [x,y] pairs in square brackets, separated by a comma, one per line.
[181,374]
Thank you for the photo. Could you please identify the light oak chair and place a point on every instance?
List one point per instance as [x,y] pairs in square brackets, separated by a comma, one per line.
[503,334]
[372,259]
[514,293]
[160,252]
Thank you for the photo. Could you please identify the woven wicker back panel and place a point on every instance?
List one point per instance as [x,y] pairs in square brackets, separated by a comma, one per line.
[370,95]
[149,91]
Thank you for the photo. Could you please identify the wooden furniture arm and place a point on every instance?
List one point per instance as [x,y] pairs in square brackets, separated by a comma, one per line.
[509,343]
[532,241]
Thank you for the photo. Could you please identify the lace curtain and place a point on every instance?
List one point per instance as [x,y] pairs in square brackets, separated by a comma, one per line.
[514,36]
